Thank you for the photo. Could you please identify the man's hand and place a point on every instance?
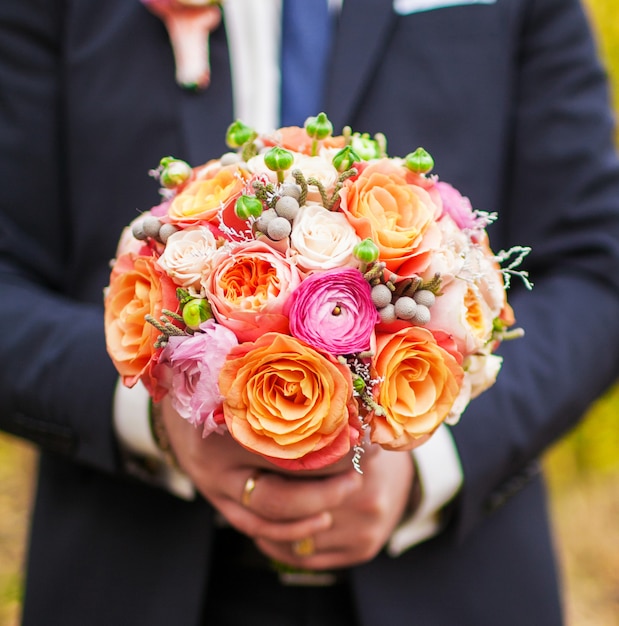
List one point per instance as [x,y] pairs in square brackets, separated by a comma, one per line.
[362,522]
[281,507]
[348,516]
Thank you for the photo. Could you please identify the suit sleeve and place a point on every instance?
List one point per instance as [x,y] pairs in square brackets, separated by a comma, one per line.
[56,381]
[562,199]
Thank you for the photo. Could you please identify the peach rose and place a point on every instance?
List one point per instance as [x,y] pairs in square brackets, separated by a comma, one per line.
[248,288]
[288,403]
[462,312]
[210,198]
[295,138]
[137,287]
[398,216]
[420,382]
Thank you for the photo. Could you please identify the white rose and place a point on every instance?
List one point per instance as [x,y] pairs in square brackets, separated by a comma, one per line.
[315,167]
[187,256]
[322,239]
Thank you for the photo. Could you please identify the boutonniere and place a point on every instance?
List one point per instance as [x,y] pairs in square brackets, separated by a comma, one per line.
[189,24]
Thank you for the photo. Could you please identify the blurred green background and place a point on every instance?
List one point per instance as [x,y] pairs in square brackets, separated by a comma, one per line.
[583,472]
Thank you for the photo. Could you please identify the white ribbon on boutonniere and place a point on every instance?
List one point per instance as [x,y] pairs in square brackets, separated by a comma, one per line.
[189,24]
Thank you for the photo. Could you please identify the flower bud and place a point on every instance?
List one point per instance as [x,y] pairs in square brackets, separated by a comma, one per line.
[174,173]
[239,134]
[278,159]
[248,206]
[366,251]
[195,312]
[358,385]
[345,159]
[419,161]
[318,127]
[365,146]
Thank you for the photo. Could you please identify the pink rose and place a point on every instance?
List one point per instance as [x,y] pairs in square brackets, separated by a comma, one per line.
[194,363]
[333,311]
[248,288]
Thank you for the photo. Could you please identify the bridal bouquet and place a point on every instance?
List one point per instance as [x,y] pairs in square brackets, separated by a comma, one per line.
[309,294]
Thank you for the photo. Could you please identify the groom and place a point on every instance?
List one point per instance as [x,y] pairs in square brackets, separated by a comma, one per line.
[510,100]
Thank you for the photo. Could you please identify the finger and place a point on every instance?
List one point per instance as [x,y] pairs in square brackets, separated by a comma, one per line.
[279,498]
[257,527]
[321,559]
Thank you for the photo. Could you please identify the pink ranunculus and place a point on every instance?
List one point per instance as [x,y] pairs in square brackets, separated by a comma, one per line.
[194,363]
[248,289]
[333,311]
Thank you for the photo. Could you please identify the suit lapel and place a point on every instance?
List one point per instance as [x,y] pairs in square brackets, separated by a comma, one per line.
[362,30]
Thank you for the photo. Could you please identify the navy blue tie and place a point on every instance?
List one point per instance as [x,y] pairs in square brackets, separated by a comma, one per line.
[306,35]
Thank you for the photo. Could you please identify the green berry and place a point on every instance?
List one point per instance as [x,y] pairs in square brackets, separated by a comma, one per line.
[195,312]
[318,127]
[278,159]
[365,146]
[174,173]
[239,134]
[366,251]
[358,385]
[345,159]
[419,161]
[248,206]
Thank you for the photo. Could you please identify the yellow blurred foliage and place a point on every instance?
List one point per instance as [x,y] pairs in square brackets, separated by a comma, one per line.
[593,447]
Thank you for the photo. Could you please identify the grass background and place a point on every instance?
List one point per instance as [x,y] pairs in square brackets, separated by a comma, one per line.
[583,472]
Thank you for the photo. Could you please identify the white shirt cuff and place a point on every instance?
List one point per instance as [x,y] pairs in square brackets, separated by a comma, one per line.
[132,427]
[438,466]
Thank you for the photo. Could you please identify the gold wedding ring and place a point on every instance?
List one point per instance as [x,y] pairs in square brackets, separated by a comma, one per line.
[248,489]
[304,547]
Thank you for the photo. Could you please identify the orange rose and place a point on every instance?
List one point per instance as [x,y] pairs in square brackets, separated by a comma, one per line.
[288,403]
[420,383]
[397,215]
[137,287]
[208,198]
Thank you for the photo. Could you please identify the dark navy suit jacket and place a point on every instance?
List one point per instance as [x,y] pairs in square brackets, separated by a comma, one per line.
[509,99]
